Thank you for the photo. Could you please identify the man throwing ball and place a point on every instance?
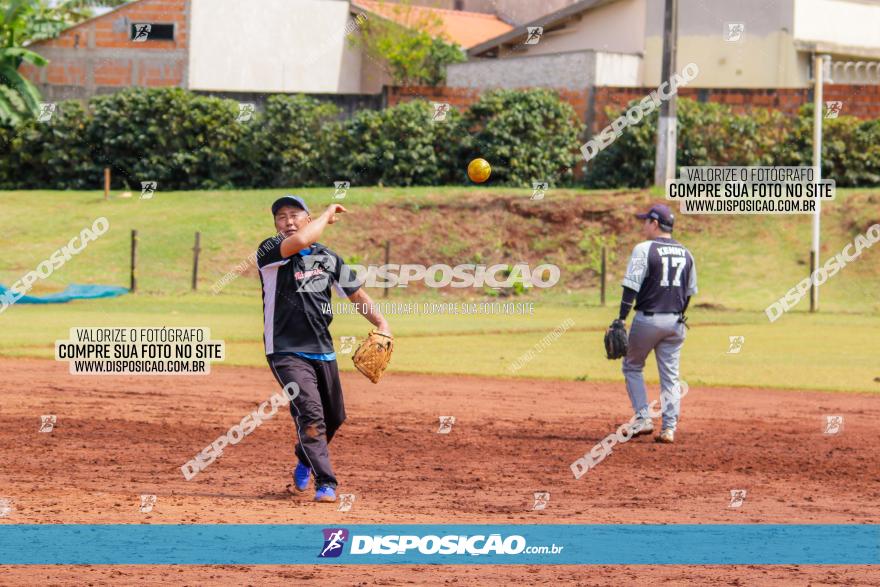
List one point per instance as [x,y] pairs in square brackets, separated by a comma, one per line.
[660,279]
[297,274]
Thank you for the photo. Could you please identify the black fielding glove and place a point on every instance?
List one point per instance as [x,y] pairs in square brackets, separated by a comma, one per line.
[616,340]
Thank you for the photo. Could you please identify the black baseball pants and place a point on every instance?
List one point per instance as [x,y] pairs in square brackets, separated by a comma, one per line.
[318,411]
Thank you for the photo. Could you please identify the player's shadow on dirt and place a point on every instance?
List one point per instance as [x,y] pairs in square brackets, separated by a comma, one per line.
[273,495]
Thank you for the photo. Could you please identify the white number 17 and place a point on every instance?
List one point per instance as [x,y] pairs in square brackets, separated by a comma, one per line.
[678,263]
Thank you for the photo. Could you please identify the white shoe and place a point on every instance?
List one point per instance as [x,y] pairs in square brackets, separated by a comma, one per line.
[667,436]
[642,426]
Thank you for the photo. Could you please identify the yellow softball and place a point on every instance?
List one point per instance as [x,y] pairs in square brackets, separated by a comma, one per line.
[479,170]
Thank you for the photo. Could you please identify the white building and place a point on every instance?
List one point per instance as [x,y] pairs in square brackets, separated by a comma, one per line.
[741,44]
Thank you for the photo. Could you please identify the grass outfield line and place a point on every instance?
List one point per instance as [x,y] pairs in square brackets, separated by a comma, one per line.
[744,263]
[799,351]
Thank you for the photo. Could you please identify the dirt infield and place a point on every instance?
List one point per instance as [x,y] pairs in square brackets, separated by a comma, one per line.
[119,437]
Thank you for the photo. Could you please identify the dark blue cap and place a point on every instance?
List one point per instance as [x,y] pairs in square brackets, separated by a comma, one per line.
[662,214]
[289,200]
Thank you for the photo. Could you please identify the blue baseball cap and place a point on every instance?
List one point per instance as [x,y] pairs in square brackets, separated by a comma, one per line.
[289,200]
[662,214]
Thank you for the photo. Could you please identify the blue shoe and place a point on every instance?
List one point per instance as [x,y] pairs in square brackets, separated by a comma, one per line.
[301,477]
[325,493]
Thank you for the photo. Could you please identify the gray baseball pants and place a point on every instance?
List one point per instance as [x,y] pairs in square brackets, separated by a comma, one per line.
[665,335]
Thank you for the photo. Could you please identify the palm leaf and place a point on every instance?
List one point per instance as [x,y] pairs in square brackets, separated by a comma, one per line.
[24,55]
[14,7]
[11,106]
[26,90]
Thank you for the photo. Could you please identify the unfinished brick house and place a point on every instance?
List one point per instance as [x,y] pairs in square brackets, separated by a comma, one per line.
[100,56]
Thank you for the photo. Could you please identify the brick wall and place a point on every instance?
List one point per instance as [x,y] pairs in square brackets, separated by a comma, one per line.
[861,101]
[97,56]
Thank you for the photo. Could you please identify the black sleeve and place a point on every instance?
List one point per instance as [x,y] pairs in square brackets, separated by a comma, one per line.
[344,277]
[629,298]
[269,251]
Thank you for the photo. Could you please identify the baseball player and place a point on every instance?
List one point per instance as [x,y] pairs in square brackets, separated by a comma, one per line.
[660,279]
[296,274]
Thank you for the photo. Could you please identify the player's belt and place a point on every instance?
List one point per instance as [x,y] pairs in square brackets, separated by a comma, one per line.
[652,313]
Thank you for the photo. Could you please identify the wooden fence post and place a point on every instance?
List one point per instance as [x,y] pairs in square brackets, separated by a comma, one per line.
[602,291]
[106,183]
[134,240]
[196,250]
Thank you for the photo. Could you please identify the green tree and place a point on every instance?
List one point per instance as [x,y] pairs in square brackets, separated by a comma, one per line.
[407,42]
[23,22]
[440,55]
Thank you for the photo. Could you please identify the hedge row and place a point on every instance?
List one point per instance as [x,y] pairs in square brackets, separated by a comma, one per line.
[711,134]
[188,141]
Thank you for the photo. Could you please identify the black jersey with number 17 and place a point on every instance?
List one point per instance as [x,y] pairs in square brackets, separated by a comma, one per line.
[663,273]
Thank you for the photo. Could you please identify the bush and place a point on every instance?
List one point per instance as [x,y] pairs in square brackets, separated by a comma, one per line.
[711,134]
[286,144]
[629,160]
[708,134]
[188,141]
[49,155]
[177,138]
[850,148]
[396,146]
[525,135]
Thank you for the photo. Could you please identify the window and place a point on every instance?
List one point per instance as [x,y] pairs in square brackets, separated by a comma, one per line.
[149,31]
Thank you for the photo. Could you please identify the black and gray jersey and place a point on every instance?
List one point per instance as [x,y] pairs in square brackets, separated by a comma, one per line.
[663,273]
[297,306]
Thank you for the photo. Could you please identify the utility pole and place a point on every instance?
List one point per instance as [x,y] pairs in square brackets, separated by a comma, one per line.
[818,115]
[667,127]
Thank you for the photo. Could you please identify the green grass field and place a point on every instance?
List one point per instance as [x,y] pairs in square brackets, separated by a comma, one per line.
[744,264]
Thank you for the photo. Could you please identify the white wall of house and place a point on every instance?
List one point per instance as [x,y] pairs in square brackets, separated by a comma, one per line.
[617,69]
[618,27]
[272,46]
[847,23]
[764,57]
[775,49]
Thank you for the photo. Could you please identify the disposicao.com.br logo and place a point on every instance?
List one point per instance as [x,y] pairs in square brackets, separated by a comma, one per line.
[478,544]
[334,541]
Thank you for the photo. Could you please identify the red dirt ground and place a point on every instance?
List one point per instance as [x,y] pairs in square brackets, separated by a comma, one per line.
[119,437]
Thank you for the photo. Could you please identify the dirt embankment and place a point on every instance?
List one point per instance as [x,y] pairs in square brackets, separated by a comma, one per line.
[569,231]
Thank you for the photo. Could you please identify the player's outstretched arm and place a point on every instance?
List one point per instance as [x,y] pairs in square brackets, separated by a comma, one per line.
[311,232]
[366,308]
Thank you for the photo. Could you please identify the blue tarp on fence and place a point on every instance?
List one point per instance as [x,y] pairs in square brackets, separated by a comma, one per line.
[74,291]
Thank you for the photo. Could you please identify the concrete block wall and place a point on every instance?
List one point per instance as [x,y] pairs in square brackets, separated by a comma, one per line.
[569,71]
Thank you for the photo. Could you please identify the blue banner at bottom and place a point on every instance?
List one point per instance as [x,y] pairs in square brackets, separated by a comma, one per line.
[558,544]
